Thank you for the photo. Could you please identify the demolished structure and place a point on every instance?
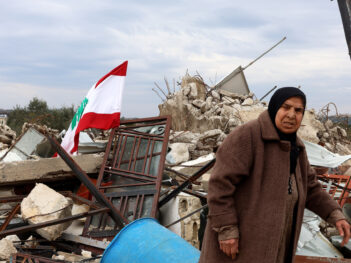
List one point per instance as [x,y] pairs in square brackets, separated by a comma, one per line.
[155,167]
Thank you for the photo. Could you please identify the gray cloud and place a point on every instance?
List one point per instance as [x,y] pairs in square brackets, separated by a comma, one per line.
[56,50]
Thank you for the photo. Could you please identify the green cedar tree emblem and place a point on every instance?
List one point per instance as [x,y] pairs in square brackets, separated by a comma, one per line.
[79,113]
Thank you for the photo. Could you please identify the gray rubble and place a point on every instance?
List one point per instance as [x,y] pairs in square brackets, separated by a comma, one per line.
[203,116]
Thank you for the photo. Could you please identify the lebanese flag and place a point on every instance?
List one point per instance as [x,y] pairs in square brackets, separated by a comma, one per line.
[100,109]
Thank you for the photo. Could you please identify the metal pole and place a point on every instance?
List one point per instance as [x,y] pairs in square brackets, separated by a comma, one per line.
[268,93]
[181,219]
[264,53]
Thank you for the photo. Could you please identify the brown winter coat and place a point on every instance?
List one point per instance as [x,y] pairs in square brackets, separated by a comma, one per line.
[248,187]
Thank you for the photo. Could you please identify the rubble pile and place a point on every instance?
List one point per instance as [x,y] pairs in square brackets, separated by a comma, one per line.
[202,117]
[40,128]
[7,136]
[198,109]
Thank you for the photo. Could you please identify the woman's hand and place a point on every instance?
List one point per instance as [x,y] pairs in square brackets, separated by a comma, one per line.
[230,247]
[344,230]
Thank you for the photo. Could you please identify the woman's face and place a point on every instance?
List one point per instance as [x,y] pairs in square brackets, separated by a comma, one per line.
[289,116]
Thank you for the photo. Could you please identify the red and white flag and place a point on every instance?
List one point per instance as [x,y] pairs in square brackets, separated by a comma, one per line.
[100,109]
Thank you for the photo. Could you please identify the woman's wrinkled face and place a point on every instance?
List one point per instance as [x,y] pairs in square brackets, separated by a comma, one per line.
[289,116]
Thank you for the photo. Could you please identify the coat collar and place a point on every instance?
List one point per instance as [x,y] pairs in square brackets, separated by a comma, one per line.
[269,132]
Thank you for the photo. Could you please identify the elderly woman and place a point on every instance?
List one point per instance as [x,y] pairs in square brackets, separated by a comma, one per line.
[259,187]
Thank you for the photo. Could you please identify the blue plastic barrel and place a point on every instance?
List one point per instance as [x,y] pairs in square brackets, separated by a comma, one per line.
[146,241]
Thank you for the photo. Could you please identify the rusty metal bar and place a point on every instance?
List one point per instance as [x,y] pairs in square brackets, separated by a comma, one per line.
[136,207]
[120,156]
[136,154]
[197,194]
[10,216]
[122,172]
[117,217]
[194,177]
[181,175]
[133,133]
[151,156]
[132,177]
[132,153]
[308,259]
[141,206]
[186,216]
[10,199]
[161,166]
[122,138]
[116,150]
[138,158]
[146,155]
[51,222]
[125,185]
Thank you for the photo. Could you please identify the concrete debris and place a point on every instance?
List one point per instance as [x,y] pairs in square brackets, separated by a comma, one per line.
[220,109]
[179,153]
[78,209]
[31,242]
[177,208]
[205,110]
[70,257]
[36,209]
[13,238]
[7,136]
[40,128]
[6,249]
[45,168]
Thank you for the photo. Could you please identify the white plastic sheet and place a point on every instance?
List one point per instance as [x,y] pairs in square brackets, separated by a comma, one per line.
[319,156]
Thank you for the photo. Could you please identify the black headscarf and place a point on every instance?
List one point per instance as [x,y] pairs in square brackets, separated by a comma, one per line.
[276,101]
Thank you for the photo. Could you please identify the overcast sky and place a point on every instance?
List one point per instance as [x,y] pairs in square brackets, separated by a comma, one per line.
[56,50]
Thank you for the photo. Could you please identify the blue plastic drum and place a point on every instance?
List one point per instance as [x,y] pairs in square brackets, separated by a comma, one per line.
[146,241]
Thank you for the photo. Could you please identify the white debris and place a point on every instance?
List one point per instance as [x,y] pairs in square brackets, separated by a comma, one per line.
[79,209]
[13,238]
[6,249]
[44,204]
[179,153]
[86,254]
[311,241]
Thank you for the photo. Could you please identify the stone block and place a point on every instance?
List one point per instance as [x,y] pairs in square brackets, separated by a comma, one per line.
[215,95]
[6,249]
[44,204]
[179,153]
[247,102]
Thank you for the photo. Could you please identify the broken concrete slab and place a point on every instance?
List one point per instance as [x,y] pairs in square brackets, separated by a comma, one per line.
[45,168]
[79,209]
[179,153]
[6,249]
[44,204]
